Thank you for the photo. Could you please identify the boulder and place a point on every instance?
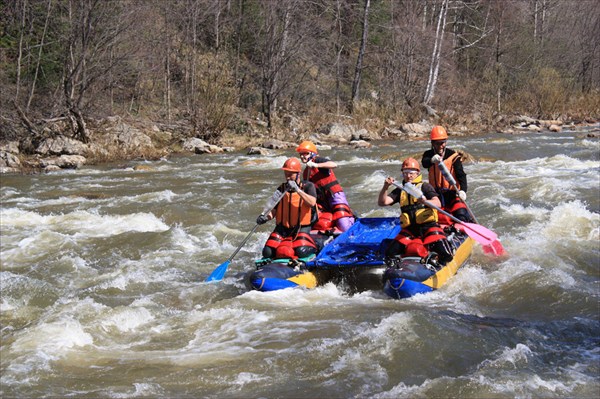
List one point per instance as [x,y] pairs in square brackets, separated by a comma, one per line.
[416,129]
[554,128]
[63,162]
[360,144]
[9,160]
[10,146]
[61,145]
[258,151]
[363,134]
[278,145]
[338,132]
[199,146]
[132,138]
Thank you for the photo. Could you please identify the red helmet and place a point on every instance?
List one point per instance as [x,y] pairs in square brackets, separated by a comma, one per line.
[438,133]
[292,165]
[411,163]
[306,146]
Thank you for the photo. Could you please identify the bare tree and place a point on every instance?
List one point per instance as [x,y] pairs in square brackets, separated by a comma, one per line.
[360,57]
[434,67]
[39,55]
[93,31]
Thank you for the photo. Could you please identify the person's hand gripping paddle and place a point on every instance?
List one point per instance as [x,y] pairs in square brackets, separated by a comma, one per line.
[219,272]
[475,231]
[494,247]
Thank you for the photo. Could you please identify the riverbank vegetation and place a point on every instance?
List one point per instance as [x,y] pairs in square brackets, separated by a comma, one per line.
[231,72]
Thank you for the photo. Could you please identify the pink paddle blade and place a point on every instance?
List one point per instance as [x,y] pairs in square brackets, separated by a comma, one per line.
[478,233]
[495,248]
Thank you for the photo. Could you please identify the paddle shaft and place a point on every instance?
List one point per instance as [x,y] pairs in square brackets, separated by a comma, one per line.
[266,211]
[475,233]
[243,243]
[220,271]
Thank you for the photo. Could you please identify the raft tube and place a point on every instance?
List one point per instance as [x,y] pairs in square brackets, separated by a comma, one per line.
[278,274]
[412,275]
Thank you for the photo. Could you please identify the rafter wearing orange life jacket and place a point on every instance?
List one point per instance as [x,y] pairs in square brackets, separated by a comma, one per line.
[292,212]
[436,179]
[326,184]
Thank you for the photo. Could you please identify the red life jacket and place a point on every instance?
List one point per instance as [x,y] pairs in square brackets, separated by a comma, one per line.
[325,183]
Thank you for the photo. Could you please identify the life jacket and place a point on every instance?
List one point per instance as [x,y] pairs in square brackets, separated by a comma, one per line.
[412,211]
[293,211]
[435,174]
[325,183]
[341,211]
[325,221]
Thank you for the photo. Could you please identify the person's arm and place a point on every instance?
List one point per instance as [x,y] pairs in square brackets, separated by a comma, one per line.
[461,176]
[426,160]
[308,194]
[431,195]
[322,163]
[384,199]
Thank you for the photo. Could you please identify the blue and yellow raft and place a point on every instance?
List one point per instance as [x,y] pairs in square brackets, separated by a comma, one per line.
[354,260]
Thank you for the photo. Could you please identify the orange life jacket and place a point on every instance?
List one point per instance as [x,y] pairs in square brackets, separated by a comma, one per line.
[293,211]
[435,174]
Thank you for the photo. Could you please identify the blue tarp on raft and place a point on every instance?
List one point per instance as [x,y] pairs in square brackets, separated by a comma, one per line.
[363,244]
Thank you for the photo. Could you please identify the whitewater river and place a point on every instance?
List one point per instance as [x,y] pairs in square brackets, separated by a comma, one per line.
[103,296]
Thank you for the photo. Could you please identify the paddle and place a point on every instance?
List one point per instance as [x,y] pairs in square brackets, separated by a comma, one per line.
[475,231]
[496,247]
[219,272]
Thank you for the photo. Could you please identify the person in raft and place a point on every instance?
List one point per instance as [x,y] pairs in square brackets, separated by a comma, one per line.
[331,199]
[420,235]
[294,215]
[452,201]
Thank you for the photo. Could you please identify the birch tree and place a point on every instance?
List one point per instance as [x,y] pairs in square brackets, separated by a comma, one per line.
[360,57]
[434,66]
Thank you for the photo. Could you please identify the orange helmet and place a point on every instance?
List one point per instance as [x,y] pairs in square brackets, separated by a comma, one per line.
[306,146]
[411,163]
[438,133]
[292,165]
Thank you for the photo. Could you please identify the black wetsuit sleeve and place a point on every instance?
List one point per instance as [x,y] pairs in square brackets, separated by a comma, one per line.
[395,195]
[428,191]
[310,189]
[426,160]
[461,176]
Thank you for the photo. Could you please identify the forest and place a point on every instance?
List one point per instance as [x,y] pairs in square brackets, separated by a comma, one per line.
[211,67]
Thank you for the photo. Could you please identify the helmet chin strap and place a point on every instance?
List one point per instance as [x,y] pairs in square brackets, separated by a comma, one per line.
[311,156]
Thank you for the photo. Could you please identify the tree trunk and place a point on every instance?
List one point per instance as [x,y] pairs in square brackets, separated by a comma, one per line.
[217,22]
[20,52]
[339,48]
[499,31]
[434,67]
[359,60]
[41,46]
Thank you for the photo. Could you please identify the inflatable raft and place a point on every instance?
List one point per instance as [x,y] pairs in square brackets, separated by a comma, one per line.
[277,274]
[411,275]
[355,261]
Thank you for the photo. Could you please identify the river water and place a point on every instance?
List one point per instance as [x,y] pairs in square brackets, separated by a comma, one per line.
[103,295]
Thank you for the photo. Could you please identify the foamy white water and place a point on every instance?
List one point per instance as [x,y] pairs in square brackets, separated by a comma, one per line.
[102,283]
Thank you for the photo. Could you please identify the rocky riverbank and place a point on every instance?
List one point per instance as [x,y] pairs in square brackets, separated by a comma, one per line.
[115,139]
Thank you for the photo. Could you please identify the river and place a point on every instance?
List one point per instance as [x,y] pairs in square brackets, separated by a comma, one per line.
[102,272]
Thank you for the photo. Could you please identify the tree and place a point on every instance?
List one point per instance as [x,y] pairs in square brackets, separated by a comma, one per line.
[93,31]
[361,55]
[434,66]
